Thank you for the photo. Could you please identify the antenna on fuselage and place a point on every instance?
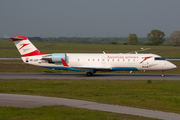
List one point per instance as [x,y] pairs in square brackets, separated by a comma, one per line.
[104,52]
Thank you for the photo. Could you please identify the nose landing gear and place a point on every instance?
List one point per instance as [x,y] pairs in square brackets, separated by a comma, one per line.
[162,74]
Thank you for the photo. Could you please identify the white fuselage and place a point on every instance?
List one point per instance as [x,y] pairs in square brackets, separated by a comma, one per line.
[97,62]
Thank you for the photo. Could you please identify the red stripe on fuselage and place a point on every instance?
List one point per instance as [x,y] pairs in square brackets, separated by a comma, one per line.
[146,59]
[34,53]
[64,63]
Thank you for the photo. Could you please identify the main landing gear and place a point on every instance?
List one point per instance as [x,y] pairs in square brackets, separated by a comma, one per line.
[89,73]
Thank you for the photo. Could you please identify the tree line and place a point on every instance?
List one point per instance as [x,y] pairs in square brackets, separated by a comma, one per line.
[155,37]
[88,40]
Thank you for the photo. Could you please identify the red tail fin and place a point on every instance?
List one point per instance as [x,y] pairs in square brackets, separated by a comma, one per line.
[25,47]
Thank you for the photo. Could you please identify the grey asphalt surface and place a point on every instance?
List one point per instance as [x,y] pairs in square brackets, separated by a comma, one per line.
[29,101]
[99,76]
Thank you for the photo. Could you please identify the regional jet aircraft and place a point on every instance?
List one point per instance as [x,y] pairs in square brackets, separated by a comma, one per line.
[90,62]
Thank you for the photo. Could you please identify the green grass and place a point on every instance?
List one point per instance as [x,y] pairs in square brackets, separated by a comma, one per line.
[158,95]
[61,113]
[8,49]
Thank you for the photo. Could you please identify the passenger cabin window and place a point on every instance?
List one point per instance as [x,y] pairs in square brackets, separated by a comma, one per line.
[159,58]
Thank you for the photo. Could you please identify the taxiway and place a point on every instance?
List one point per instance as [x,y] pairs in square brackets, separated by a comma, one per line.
[97,76]
[30,101]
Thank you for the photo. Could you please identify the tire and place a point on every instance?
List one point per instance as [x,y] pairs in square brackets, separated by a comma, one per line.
[89,73]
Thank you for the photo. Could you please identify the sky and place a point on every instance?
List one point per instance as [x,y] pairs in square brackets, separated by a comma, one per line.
[88,18]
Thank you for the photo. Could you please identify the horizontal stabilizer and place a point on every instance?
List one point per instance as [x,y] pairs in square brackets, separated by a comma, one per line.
[18,38]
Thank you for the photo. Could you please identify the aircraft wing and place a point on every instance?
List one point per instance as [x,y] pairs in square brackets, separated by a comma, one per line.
[93,68]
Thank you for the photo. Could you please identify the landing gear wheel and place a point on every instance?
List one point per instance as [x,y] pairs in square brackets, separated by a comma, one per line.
[89,73]
[162,74]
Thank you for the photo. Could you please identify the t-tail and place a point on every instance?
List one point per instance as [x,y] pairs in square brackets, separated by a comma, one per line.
[25,47]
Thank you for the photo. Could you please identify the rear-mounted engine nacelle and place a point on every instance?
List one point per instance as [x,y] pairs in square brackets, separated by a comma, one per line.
[55,57]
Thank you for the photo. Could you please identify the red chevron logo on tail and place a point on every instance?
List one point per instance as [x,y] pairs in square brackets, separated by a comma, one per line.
[24,45]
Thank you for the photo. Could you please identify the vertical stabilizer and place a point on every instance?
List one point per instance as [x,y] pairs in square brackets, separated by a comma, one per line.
[25,47]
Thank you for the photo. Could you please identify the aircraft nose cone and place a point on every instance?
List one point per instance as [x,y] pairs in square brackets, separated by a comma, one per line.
[171,65]
[174,66]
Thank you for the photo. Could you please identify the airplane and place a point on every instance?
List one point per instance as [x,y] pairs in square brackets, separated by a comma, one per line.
[90,62]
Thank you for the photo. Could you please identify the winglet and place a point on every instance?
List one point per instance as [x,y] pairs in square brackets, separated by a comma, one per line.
[64,63]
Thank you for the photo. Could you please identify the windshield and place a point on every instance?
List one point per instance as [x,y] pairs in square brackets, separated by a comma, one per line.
[159,58]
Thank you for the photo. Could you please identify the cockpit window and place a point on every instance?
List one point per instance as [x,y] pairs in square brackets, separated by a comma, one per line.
[159,58]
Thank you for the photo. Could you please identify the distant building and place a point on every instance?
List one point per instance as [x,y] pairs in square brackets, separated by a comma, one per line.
[5,36]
